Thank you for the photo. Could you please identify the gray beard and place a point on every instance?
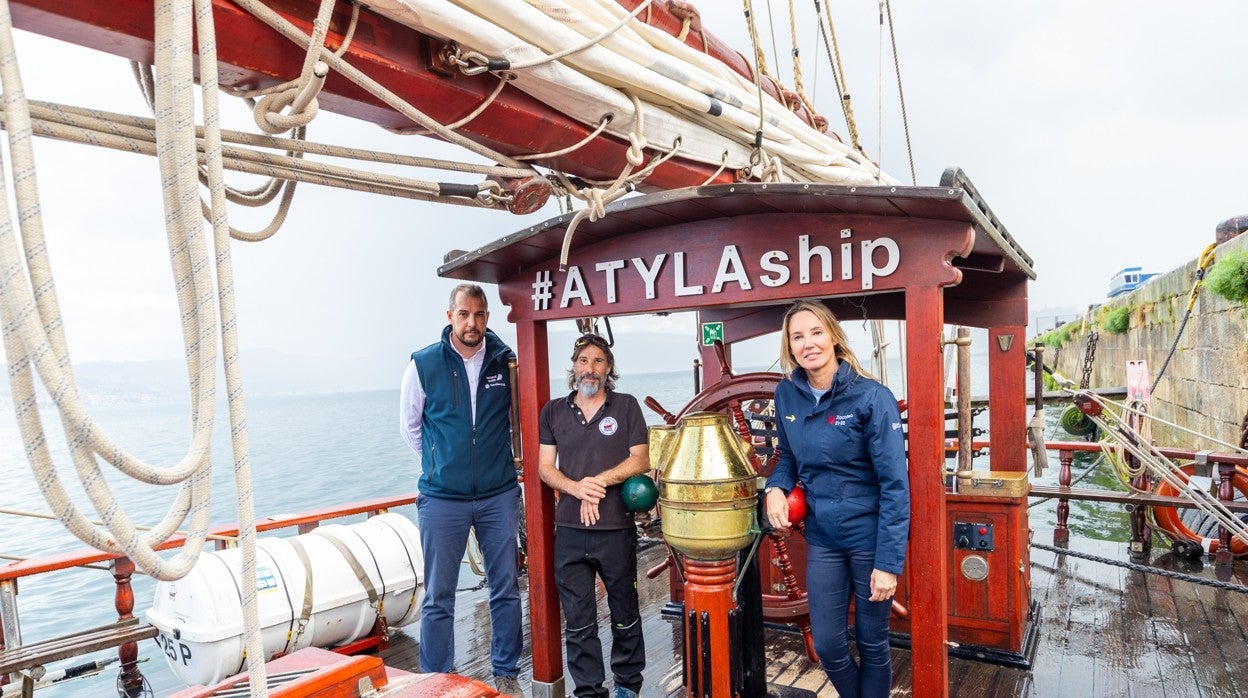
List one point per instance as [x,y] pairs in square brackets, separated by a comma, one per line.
[588,389]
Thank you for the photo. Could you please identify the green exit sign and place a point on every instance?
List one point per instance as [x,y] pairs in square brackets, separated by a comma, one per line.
[712,332]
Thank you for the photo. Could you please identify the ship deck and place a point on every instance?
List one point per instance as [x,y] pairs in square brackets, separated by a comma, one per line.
[1104,630]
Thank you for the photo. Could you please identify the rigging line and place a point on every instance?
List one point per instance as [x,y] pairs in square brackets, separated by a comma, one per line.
[272,165]
[602,124]
[1123,406]
[34,337]
[300,97]
[52,517]
[798,87]
[504,77]
[292,33]
[760,66]
[1162,467]
[771,29]
[245,505]
[1205,261]
[901,96]
[879,87]
[483,64]
[1190,578]
[597,199]
[833,49]
[723,163]
[109,122]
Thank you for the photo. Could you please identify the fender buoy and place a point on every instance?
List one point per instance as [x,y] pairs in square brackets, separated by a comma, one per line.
[639,493]
[1172,525]
[797,505]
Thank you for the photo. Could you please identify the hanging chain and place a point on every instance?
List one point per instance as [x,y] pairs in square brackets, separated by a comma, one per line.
[1089,356]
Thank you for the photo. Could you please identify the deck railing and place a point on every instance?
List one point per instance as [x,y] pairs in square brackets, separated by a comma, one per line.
[1225,463]
[122,569]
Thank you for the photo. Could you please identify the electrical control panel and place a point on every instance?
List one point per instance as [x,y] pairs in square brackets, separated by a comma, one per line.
[972,536]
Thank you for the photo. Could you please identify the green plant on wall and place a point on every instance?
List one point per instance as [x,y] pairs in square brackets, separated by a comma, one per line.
[1058,337]
[1116,320]
[1229,277]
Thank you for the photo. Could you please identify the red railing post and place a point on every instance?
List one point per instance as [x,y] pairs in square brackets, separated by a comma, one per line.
[1061,532]
[1141,534]
[129,678]
[1226,493]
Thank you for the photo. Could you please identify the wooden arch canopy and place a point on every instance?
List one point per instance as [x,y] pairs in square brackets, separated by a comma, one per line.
[739,254]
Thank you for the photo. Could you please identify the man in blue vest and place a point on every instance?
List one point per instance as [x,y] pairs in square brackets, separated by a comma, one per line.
[455,412]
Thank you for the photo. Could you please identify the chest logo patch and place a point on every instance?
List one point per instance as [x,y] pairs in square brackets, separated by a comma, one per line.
[608,426]
[840,420]
[494,381]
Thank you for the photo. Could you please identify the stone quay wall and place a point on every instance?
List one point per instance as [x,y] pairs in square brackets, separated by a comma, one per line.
[1205,386]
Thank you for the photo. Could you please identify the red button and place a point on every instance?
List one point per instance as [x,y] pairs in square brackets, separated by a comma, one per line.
[982,530]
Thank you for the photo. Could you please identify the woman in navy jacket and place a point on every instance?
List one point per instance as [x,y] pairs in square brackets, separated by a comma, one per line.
[841,439]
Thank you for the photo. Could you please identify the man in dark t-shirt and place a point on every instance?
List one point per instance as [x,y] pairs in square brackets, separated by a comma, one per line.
[598,437]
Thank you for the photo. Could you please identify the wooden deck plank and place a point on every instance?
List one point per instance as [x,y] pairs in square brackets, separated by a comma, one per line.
[1110,653]
[1105,631]
[1175,673]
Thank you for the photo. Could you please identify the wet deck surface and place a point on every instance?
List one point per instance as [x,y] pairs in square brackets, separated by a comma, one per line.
[1104,631]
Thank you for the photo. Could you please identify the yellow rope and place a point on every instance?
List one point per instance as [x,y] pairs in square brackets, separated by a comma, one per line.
[1205,261]
[842,82]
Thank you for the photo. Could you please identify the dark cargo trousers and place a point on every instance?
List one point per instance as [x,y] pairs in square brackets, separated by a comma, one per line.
[612,555]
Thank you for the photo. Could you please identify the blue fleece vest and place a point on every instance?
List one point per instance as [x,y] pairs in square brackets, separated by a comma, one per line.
[460,460]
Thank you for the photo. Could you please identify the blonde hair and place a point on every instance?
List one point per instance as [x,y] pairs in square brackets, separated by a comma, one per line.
[825,317]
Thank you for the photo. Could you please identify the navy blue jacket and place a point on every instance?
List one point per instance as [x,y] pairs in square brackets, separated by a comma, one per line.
[460,460]
[848,450]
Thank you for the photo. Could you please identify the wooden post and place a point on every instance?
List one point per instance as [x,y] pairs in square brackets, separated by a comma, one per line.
[929,533]
[708,609]
[1061,533]
[129,678]
[1141,534]
[539,514]
[1226,493]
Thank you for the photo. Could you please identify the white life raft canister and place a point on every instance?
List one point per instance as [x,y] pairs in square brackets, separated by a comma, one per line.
[310,592]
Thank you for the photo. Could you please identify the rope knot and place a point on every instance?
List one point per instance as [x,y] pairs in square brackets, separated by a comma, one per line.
[301,99]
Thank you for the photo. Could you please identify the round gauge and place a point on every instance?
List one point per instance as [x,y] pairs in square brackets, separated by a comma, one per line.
[975,568]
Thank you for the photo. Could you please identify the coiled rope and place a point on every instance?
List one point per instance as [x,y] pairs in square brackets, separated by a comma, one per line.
[34,333]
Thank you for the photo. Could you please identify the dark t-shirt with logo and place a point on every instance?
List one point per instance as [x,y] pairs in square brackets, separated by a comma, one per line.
[589,448]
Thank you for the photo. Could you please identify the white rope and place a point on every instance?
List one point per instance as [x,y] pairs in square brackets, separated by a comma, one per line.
[252,639]
[480,63]
[34,335]
[597,198]
[1129,438]
[117,131]
[300,97]
[33,331]
[285,28]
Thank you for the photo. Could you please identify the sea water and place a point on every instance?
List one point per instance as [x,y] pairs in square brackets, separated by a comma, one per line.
[307,452]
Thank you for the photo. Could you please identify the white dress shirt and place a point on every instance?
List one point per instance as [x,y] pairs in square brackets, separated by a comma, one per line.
[412,397]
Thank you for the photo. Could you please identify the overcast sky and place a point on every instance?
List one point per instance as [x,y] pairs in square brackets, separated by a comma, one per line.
[1103,134]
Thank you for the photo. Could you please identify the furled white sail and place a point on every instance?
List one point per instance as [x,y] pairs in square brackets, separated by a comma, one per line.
[686,96]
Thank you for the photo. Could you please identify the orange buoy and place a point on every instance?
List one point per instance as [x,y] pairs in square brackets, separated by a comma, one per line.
[1171,524]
